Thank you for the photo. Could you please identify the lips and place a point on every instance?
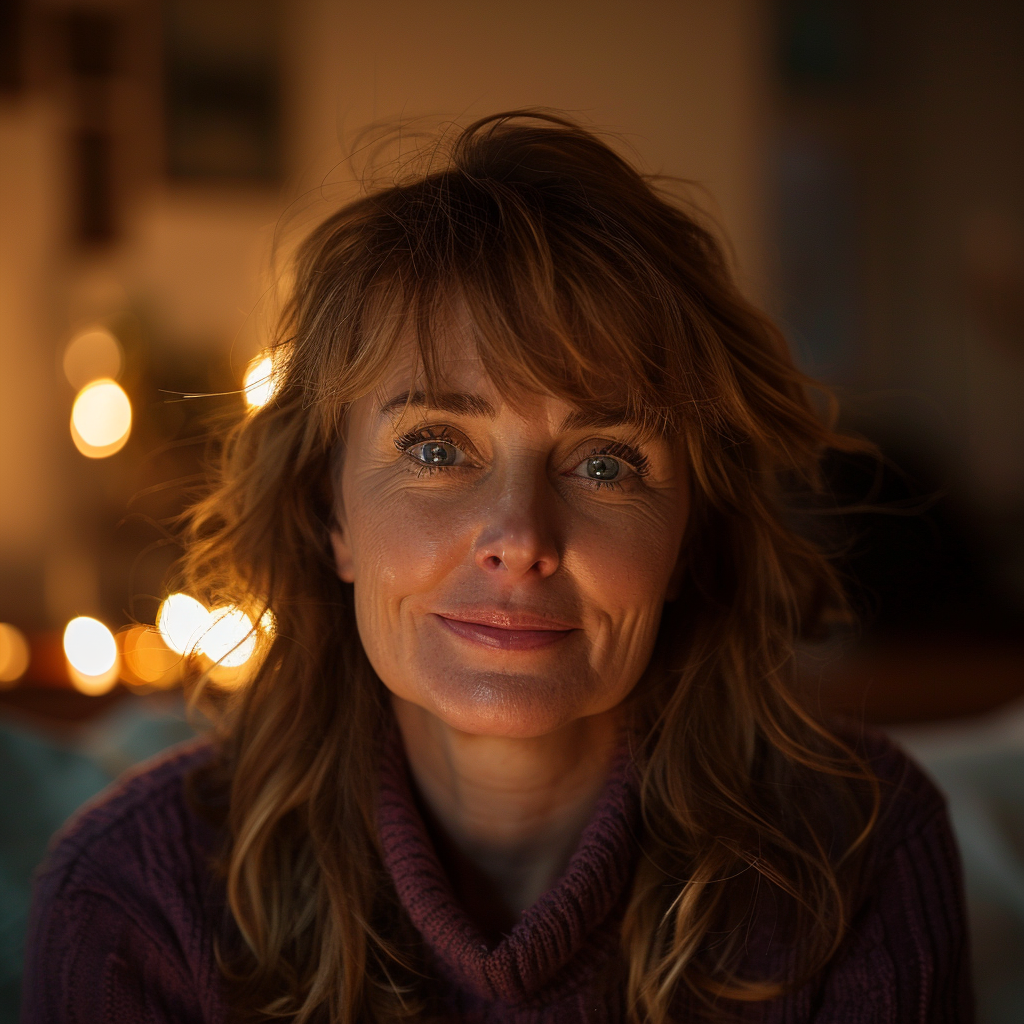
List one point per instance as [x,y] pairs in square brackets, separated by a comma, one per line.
[506,631]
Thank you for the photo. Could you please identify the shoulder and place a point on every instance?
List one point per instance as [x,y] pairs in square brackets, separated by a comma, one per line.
[903,955]
[141,821]
[127,886]
[909,802]
[905,958]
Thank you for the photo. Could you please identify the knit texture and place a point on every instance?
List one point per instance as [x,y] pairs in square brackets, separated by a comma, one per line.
[126,909]
[560,954]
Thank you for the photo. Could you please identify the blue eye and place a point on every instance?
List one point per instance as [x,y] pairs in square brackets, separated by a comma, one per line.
[605,469]
[601,467]
[436,453]
[614,463]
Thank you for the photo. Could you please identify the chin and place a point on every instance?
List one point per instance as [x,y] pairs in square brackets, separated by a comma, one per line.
[504,704]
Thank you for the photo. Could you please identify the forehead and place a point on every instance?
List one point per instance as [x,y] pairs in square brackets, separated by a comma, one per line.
[459,383]
[443,358]
[465,390]
[445,362]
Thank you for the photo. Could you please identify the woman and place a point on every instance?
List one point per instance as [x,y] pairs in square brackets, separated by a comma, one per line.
[524,746]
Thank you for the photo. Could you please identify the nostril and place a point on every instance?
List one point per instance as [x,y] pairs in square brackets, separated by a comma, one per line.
[492,562]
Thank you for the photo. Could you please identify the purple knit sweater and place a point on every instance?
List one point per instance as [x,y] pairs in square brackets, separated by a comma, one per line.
[126,911]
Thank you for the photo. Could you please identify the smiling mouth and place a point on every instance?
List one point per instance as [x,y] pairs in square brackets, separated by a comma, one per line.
[530,636]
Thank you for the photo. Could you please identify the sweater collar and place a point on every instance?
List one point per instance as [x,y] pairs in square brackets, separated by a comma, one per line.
[571,927]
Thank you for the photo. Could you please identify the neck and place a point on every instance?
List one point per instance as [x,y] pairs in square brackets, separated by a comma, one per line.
[508,813]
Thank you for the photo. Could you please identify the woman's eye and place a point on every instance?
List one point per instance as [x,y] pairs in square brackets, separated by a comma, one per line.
[436,453]
[603,469]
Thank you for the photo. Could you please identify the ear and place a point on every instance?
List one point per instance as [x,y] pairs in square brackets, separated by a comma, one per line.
[343,562]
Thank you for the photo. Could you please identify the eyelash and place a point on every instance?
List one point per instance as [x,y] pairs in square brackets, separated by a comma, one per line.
[418,436]
[406,441]
[636,460]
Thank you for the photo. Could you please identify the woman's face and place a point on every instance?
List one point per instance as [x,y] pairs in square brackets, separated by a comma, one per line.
[509,565]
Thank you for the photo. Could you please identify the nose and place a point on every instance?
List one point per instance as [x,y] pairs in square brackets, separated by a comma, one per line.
[517,537]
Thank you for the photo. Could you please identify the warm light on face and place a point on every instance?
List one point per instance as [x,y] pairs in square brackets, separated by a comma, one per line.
[258,383]
[92,655]
[182,620]
[510,564]
[101,419]
[14,654]
[91,355]
[230,639]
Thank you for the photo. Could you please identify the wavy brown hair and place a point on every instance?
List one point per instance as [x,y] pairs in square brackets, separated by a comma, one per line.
[567,262]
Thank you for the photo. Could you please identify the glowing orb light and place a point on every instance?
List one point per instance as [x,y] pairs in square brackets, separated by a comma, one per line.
[90,355]
[148,659]
[258,384]
[92,657]
[230,639]
[182,621]
[14,654]
[101,419]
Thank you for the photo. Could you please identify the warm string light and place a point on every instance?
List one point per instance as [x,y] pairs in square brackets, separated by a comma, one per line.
[147,662]
[225,635]
[148,657]
[92,657]
[101,422]
[259,383]
[181,621]
[230,639]
[101,419]
[14,654]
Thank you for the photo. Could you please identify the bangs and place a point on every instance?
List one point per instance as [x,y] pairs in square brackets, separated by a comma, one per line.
[557,297]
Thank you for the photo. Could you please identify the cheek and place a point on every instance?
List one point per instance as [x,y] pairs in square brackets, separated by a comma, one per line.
[402,546]
[623,575]
[626,567]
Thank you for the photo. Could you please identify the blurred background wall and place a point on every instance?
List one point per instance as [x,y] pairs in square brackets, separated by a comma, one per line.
[150,150]
[864,158]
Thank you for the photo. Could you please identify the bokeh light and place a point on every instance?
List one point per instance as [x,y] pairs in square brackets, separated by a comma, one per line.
[92,657]
[14,654]
[258,383]
[226,636]
[229,639]
[181,621]
[101,419]
[89,646]
[91,355]
[147,660]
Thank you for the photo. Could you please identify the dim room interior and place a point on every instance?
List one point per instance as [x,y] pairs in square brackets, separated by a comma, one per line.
[865,160]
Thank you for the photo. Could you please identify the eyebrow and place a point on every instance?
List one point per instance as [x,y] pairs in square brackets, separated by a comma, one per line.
[458,402]
[464,403]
